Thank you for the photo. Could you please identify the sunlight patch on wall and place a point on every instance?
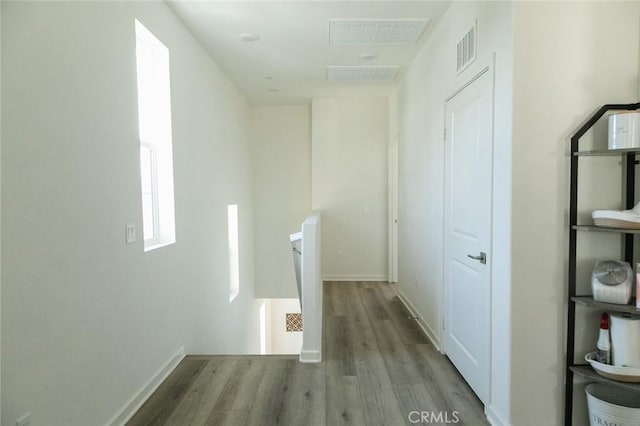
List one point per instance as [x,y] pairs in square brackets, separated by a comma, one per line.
[234,251]
[263,329]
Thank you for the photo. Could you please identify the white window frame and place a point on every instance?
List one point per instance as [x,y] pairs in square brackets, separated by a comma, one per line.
[155,210]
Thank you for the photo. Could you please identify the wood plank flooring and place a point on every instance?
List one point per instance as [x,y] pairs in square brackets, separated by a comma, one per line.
[377,369]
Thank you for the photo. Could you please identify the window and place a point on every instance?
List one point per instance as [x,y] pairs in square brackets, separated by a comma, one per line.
[156,153]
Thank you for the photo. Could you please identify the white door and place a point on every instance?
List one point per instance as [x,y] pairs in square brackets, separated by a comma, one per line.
[468,182]
[393,211]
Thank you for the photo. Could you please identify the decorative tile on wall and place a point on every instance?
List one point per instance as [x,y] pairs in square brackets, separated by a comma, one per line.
[294,322]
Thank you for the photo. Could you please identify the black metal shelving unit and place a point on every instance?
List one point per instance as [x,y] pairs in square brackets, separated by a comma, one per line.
[629,156]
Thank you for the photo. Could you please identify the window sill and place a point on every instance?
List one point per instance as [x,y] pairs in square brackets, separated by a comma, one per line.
[156,245]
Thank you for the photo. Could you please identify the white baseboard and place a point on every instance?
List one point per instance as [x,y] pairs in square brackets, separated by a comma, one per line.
[310,356]
[493,417]
[426,329]
[147,390]
[355,277]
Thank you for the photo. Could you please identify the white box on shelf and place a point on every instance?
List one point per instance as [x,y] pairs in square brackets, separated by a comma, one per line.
[624,130]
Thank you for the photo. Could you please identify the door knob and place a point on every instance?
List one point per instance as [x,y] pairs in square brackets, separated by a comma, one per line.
[482,257]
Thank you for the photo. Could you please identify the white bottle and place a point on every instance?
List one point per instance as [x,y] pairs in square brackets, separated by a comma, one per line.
[603,354]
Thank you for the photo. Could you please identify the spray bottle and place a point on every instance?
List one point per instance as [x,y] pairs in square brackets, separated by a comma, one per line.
[603,354]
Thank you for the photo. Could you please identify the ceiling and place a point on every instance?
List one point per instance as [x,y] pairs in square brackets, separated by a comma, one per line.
[289,61]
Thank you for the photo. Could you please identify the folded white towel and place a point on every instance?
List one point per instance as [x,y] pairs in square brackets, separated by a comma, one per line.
[627,219]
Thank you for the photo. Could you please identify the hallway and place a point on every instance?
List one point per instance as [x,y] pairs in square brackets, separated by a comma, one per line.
[378,369]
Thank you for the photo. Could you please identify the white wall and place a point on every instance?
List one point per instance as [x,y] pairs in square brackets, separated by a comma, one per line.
[421,102]
[349,185]
[569,59]
[281,139]
[86,319]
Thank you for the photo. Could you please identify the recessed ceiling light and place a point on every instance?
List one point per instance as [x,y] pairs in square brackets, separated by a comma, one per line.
[268,77]
[367,56]
[249,37]
[273,89]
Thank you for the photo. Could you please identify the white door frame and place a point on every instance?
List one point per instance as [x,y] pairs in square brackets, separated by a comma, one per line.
[470,75]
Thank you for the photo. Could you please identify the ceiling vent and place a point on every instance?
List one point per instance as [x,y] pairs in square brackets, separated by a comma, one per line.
[360,32]
[467,48]
[376,73]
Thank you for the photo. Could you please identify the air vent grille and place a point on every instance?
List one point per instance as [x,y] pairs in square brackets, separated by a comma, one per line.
[466,50]
[360,32]
[362,73]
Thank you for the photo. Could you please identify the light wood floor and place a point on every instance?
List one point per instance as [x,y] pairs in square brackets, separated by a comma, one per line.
[378,368]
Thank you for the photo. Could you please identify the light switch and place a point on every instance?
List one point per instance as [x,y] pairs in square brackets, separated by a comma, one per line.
[130,230]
